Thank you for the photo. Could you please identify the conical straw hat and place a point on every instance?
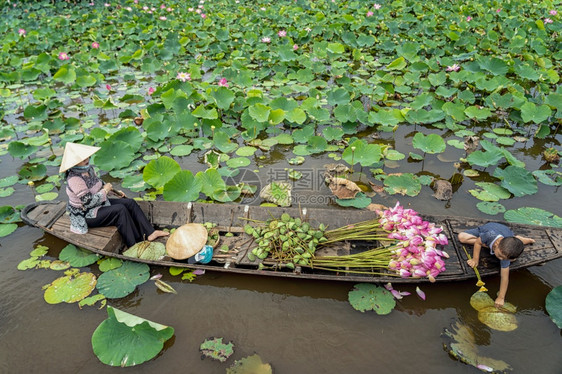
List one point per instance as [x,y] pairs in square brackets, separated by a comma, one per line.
[74,154]
[186,241]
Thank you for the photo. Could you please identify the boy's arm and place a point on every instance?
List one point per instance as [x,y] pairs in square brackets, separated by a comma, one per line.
[525,240]
[504,282]
[475,254]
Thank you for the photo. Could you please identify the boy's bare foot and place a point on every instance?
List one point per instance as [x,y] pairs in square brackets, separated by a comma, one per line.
[157,234]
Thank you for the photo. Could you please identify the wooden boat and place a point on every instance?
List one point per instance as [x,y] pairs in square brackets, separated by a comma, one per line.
[106,241]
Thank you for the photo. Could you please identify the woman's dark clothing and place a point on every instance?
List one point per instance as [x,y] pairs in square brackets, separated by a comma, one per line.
[126,214]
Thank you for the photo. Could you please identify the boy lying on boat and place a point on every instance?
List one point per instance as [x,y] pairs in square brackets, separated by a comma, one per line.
[502,243]
[89,206]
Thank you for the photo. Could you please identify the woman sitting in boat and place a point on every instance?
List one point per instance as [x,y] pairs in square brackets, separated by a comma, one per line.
[89,206]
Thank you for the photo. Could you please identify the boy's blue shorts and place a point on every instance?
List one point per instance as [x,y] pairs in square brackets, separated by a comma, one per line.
[490,226]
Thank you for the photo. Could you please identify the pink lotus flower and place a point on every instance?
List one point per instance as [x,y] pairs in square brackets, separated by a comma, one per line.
[376,6]
[22,31]
[420,293]
[295,47]
[129,8]
[169,9]
[136,1]
[63,56]
[145,8]
[162,18]
[223,82]
[198,11]
[498,10]
[453,67]
[262,8]
[190,9]
[95,45]
[369,13]
[468,18]
[547,20]
[282,33]
[108,87]
[162,6]
[183,76]
[203,15]
[266,39]
[151,90]
[553,12]
[106,5]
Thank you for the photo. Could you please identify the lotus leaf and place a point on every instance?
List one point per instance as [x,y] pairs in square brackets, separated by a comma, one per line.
[238,162]
[549,177]
[114,155]
[252,364]
[39,251]
[120,282]
[214,348]
[362,153]
[160,171]
[223,97]
[29,263]
[210,181]
[537,114]
[59,265]
[226,194]
[360,201]
[181,150]
[278,193]
[366,296]
[77,257]
[404,184]
[47,196]
[431,143]
[296,160]
[497,319]
[5,192]
[146,250]
[246,151]
[491,208]
[127,340]
[533,216]
[91,300]
[109,263]
[461,344]
[7,228]
[21,150]
[517,180]
[8,181]
[70,288]
[490,192]
[182,187]
[134,183]
[554,305]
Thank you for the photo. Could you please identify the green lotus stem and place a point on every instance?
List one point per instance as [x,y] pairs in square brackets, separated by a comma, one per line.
[475,269]
[352,271]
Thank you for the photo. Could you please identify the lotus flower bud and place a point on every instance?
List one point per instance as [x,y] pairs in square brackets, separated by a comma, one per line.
[405,273]
[30,183]
[431,278]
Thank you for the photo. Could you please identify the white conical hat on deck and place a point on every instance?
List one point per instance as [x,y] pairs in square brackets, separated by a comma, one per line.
[74,154]
[186,241]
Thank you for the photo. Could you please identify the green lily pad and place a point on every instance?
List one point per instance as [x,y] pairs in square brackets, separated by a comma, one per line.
[120,282]
[29,263]
[214,348]
[70,288]
[160,171]
[366,296]
[246,151]
[181,150]
[498,319]
[549,177]
[360,201]
[553,304]
[278,193]
[252,364]
[59,265]
[490,192]
[404,184]
[39,251]
[5,192]
[182,187]
[361,152]
[114,155]
[238,162]
[47,196]
[147,251]
[77,257]
[226,194]
[484,159]
[21,150]
[9,181]
[296,160]
[431,143]
[7,228]
[91,300]
[461,344]
[533,216]
[518,181]
[109,263]
[126,340]
[491,208]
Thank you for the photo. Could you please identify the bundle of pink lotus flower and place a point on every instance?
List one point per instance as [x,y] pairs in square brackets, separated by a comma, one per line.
[410,249]
[417,254]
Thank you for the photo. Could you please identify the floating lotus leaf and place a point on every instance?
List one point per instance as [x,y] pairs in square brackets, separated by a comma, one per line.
[123,280]
[134,183]
[278,193]
[109,263]
[5,192]
[44,188]
[517,180]
[33,172]
[91,300]
[296,160]
[147,251]
[431,143]
[490,192]
[7,228]
[160,171]
[9,181]
[533,216]
[223,142]
[21,150]
[130,135]
[183,187]
[366,296]
[498,319]
[553,304]
[361,152]
[77,257]
[549,177]
[484,159]
[461,344]
[223,97]
[114,155]
[127,340]
[210,181]
[252,364]
[238,162]
[213,158]
[181,150]
[47,196]
[70,288]
[214,348]
[491,208]
[404,184]
[39,251]
[227,194]
[29,263]
[360,201]
[59,265]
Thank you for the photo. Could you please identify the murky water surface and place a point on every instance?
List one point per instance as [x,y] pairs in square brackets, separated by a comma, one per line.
[297,326]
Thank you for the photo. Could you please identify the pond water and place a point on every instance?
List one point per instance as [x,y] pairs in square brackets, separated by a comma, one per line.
[296,326]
